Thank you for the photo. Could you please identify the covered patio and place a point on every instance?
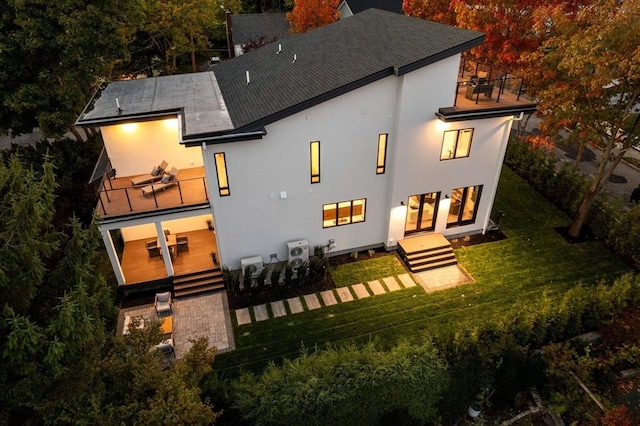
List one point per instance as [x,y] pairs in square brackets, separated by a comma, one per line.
[139,266]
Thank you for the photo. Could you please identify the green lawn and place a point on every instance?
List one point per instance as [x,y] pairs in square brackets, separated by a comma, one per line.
[534,259]
[366,270]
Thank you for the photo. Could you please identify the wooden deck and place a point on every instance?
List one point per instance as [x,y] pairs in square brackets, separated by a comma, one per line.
[138,267]
[423,243]
[507,98]
[119,198]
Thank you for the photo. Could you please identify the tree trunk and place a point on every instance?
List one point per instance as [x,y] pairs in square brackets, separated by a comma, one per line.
[87,132]
[605,170]
[579,154]
[194,66]
[76,134]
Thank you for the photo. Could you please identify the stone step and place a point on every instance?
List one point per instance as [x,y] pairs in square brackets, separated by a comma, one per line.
[429,253]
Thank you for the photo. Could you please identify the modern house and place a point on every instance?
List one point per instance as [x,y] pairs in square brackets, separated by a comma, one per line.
[251,30]
[360,134]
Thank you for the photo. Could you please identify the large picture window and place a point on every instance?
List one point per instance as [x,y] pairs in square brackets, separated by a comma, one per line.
[464,206]
[343,213]
[382,154]
[315,161]
[221,170]
[456,144]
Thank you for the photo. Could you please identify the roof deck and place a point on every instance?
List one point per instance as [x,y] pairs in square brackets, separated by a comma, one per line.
[479,97]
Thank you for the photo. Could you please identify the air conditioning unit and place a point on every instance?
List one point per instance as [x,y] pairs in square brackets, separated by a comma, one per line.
[254,263]
[298,252]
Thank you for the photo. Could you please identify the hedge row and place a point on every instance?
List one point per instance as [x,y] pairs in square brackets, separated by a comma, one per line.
[436,379]
[565,187]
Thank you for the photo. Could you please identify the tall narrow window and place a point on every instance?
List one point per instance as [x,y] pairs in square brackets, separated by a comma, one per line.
[221,169]
[315,161]
[382,153]
[456,144]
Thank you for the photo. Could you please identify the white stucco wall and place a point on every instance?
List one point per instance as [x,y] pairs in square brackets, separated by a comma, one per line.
[255,220]
[136,148]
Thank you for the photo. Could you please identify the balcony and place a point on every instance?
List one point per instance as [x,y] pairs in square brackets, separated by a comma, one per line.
[486,94]
[117,196]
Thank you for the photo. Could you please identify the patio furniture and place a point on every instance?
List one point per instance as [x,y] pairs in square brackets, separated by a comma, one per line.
[480,88]
[155,175]
[166,325]
[167,181]
[167,348]
[163,303]
[153,249]
[127,323]
[182,243]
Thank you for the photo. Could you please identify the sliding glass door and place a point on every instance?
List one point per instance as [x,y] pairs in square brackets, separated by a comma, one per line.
[464,206]
[421,212]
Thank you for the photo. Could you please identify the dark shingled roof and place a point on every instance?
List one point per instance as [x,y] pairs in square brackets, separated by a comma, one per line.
[358,6]
[330,61]
[258,26]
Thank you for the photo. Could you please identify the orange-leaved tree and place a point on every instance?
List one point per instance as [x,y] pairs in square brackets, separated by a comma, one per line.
[432,10]
[592,85]
[310,14]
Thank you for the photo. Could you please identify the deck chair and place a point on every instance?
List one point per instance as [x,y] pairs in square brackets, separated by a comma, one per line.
[155,175]
[152,248]
[167,181]
[163,304]
[166,347]
[182,242]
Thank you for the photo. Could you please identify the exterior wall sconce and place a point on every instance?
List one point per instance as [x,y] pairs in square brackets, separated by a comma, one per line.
[402,203]
[446,195]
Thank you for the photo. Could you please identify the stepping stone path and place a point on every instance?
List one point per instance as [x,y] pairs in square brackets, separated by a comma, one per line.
[295,305]
[277,309]
[361,291]
[376,288]
[312,301]
[344,294]
[328,297]
[391,283]
[260,312]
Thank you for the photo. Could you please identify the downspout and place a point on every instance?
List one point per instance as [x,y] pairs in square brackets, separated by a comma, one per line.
[503,150]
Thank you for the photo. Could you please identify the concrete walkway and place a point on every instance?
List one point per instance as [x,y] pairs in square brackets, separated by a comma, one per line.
[437,279]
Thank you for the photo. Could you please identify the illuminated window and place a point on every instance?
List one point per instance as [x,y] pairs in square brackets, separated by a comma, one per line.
[221,169]
[343,213]
[456,144]
[315,162]
[382,153]
[464,206]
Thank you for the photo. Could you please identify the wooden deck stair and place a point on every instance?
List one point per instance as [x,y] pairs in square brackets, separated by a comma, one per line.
[198,282]
[426,252]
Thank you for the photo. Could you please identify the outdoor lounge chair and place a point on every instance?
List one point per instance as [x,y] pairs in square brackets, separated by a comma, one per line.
[166,347]
[163,303]
[167,181]
[155,175]
[152,248]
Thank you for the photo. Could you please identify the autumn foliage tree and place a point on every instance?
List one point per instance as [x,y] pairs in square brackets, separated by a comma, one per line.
[593,86]
[310,14]
[431,10]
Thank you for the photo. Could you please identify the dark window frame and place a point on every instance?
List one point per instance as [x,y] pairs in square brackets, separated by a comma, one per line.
[382,168]
[224,191]
[455,147]
[337,210]
[463,201]
[315,177]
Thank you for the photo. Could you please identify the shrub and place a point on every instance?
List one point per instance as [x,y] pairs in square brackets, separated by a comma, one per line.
[247,280]
[276,273]
[262,278]
[288,275]
[350,385]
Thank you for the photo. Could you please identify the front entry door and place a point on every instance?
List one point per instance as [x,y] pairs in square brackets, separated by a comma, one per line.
[421,212]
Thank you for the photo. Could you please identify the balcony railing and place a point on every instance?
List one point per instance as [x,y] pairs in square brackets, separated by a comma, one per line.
[118,198]
[477,89]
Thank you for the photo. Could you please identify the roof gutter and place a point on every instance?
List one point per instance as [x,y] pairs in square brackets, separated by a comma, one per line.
[230,137]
